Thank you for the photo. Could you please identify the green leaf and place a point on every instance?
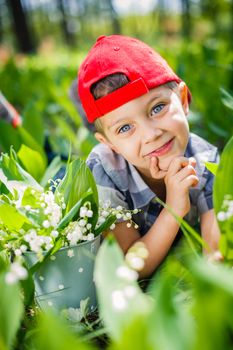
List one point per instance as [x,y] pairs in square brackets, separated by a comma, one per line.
[111,219]
[53,334]
[134,336]
[223,184]
[227,99]
[28,288]
[11,312]
[31,199]
[11,218]
[212,167]
[33,121]
[9,136]
[213,304]
[171,326]
[217,275]
[217,129]
[110,284]
[32,162]
[72,213]
[12,175]
[51,171]
[4,261]
[29,141]
[76,182]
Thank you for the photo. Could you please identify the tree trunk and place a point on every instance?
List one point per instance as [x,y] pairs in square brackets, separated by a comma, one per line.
[1,28]
[161,16]
[23,34]
[231,29]
[186,19]
[114,18]
[64,24]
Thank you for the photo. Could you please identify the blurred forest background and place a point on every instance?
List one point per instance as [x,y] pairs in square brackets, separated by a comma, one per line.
[42,43]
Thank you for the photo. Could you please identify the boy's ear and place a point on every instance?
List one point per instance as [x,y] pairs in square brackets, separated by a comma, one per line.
[102,139]
[183,89]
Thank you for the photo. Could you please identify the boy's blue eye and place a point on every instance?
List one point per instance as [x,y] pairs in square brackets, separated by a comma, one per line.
[157,108]
[124,128]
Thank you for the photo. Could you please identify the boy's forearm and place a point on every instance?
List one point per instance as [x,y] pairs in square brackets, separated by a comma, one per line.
[158,241]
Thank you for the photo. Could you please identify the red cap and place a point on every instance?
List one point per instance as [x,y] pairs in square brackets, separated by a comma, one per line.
[143,66]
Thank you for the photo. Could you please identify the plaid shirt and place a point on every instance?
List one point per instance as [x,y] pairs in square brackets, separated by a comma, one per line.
[120,182]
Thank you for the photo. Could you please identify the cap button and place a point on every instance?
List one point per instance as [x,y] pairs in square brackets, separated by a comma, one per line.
[116,48]
[101,37]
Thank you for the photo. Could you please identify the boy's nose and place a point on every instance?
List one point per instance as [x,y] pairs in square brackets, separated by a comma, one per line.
[150,132]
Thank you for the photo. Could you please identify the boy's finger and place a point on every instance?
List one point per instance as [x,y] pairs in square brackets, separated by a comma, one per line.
[156,173]
[177,164]
[190,181]
[185,172]
[192,161]
[180,162]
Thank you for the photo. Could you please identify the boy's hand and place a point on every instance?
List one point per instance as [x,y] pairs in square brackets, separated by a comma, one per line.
[180,176]
[155,171]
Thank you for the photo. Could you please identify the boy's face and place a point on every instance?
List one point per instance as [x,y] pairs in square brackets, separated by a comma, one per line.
[153,124]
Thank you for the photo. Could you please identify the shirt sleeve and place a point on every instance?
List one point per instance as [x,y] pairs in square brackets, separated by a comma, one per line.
[205,198]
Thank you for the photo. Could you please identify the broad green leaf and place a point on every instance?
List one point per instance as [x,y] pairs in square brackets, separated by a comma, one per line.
[9,136]
[213,304]
[51,171]
[4,261]
[134,336]
[227,99]
[31,199]
[33,121]
[74,210]
[32,162]
[11,218]
[217,129]
[170,325]
[12,175]
[53,334]
[29,141]
[212,167]
[105,225]
[117,308]
[11,312]
[77,181]
[28,288]
[217,275]
[223,184]
[3,188]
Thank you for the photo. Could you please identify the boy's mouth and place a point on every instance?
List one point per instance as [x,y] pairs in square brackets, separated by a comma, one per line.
[162,150]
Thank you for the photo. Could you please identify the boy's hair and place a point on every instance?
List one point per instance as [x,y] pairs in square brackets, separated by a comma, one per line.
[144,68]
[105,86]
[108,84]
[111,83]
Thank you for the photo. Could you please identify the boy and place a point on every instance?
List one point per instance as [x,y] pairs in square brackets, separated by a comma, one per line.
[139,107]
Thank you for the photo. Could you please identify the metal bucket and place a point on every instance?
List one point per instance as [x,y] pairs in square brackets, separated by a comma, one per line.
[66,278]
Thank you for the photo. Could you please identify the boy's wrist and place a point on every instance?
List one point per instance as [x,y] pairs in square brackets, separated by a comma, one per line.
[180,211]
[169,214]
